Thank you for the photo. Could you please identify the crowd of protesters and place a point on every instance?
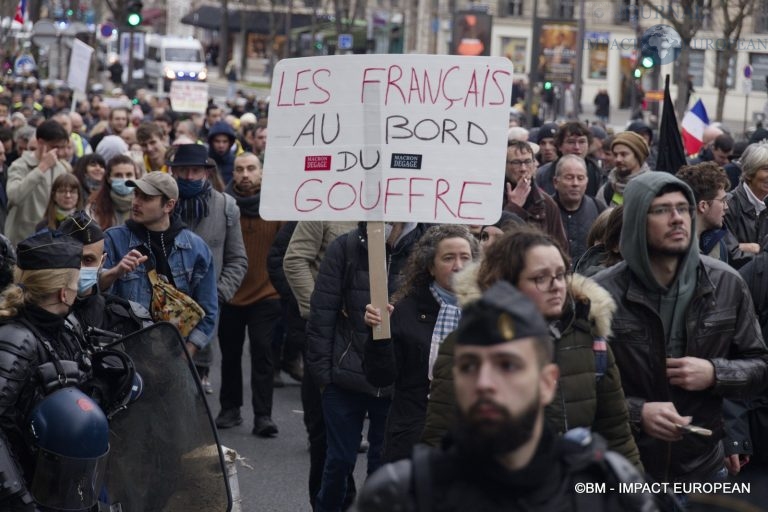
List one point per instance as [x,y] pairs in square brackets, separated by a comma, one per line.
[650,288]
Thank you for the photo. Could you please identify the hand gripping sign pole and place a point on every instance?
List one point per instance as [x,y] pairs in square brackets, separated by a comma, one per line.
[387,138]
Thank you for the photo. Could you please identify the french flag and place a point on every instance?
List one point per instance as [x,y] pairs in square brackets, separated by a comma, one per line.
[21,12]
[694,123]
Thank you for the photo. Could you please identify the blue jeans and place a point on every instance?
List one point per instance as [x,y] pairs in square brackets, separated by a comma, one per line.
[344,412]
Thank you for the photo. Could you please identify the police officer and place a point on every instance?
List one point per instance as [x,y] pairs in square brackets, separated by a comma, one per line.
[93,309]
[501,455]
[38,355]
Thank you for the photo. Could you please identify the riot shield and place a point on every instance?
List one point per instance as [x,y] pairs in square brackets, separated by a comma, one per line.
[165,454]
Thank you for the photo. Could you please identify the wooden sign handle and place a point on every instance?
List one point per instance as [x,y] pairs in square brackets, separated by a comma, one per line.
[377,274]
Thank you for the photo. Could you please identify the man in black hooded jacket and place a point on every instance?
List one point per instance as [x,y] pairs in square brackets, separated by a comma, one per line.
[685,330]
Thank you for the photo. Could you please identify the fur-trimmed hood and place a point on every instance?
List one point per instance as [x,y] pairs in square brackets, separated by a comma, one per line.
[602,305]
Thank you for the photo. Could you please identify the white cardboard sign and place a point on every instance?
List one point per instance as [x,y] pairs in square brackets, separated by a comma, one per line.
[402,138]
[188,96]
[79,65]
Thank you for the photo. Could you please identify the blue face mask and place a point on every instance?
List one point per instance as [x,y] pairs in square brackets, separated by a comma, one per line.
[89,276]
[189,188]
[120,188]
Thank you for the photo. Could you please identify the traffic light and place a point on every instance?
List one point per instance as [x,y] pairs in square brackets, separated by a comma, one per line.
[647,62]
[547,85]
[133,13]
[638,73]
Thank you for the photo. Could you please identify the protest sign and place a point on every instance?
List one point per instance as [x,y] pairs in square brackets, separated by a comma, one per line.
[401,138]
[409,138]
[79,65]
[188,96]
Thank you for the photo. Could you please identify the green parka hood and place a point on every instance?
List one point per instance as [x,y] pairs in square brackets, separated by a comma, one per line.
[633,244]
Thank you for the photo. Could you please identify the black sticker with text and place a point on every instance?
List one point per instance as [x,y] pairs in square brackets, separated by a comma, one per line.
[405,161]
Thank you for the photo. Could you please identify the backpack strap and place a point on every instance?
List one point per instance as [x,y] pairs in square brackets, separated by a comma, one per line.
[229,209]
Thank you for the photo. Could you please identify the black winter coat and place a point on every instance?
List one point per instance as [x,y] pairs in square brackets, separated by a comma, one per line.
[336,331]
[721,327]
[742,219]
[275,261]
[404,361]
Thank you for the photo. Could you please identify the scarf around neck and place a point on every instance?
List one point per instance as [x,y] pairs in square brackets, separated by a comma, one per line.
[249,205]
[619,181]
[447,320]
[122,203]
[193,209]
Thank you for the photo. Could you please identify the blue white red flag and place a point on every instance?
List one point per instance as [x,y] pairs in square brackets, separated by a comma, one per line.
[694,123]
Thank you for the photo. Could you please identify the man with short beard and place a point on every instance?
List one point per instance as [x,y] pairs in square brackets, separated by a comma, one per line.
[255,306]
[215,218]
[630,152]
[685,331]
[501,454]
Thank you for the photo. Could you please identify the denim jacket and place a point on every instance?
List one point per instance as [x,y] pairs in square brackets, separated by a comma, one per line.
[192,267]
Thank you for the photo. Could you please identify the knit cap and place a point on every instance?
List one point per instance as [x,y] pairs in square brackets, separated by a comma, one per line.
[634,142]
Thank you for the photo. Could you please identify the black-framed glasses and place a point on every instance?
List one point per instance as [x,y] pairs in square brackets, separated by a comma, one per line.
[517,163]
[723,200]
[546,282]
[665,210]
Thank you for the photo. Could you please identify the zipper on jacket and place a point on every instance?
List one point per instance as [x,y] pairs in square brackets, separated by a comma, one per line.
[344,354]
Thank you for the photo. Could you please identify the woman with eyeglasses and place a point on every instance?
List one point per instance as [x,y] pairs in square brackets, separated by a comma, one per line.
[589,391]
[65,199]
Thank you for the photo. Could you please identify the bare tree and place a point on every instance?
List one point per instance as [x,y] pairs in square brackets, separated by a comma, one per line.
[272,36]
[8,8]
[346,13]
[732,16]
[687,18]
[224,37]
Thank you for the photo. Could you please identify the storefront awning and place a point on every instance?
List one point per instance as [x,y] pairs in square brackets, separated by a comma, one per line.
[210,17]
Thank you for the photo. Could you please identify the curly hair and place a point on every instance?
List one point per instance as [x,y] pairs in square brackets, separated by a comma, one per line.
[612,236]
[705,179]
[417,270]
[574,129]
[597,231]
[505,259]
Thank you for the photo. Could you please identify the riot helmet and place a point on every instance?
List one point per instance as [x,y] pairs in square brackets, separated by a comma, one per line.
[71,434]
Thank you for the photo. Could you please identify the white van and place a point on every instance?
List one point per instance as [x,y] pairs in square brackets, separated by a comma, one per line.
[173,58]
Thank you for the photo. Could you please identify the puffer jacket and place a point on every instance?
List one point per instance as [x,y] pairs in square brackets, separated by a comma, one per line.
[722,328]
[581,400]
[404,361]
[336,331]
